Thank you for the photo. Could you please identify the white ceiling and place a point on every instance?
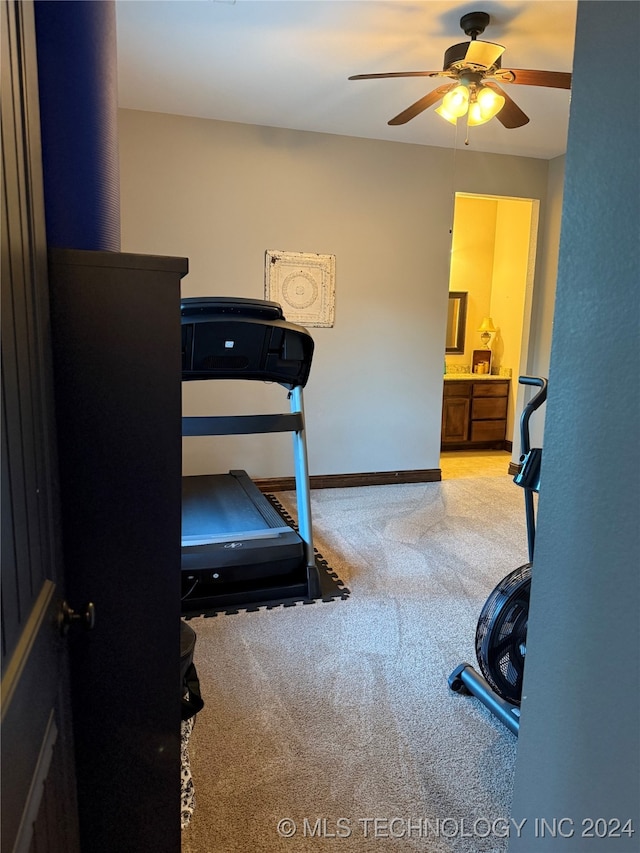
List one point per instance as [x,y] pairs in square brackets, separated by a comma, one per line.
[285,63]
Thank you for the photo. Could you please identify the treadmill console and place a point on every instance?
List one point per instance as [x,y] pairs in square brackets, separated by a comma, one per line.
[234,338]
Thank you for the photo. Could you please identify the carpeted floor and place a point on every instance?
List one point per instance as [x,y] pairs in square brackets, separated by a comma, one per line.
[336,718]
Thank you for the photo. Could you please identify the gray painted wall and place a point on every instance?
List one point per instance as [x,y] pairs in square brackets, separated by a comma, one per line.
[221,194]
[579,753]
[539,354]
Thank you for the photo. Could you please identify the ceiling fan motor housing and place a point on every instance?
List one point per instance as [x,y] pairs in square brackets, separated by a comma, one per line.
[455,58]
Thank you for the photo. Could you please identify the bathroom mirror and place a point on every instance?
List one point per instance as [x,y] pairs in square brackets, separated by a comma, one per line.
[456,322]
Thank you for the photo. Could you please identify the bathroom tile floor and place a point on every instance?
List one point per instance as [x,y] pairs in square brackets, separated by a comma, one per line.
[455,464]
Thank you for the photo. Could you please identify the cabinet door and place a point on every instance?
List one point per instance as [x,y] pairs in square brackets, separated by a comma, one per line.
[455,419]
[117,377]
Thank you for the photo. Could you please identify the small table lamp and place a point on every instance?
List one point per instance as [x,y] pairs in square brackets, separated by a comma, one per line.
[487,328]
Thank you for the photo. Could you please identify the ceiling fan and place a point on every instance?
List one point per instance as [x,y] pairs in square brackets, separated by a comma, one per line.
[474,66]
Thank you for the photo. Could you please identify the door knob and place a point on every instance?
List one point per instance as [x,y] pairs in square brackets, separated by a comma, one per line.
[68,617]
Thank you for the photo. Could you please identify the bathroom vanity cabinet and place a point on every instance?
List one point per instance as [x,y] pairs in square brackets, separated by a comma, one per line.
[474,413]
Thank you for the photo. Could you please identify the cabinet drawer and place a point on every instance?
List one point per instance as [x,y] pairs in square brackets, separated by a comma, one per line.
[489,408]
[490,388]
[488,430]
[456,389]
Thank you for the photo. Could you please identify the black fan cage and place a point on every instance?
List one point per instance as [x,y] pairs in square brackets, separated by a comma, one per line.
[501,635]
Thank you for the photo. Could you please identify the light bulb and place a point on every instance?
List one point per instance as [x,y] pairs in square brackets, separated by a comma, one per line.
[456,101]
[485,106]
[487,98]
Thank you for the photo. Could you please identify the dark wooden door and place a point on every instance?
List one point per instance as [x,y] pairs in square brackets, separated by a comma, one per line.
[90,512]
[38,787]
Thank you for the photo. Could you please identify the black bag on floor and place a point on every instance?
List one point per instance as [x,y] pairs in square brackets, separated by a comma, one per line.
[192,701]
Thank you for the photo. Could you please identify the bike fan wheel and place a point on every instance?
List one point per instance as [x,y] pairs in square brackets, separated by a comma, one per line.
[501,635]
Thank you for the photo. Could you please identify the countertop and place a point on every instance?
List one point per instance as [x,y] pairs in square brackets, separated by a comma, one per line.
[479,377]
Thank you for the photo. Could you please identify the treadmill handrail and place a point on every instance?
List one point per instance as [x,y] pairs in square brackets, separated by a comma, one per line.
[242,424]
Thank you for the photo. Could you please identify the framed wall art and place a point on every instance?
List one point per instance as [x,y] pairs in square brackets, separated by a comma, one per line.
[304,284]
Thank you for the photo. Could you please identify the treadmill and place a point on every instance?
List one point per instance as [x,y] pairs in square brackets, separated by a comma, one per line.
[237,549]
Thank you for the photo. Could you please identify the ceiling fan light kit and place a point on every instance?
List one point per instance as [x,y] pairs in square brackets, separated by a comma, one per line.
[487,105]
[479,103]
[474,66]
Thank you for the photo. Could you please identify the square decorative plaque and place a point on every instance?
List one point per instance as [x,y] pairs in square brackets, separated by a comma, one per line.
[304,284]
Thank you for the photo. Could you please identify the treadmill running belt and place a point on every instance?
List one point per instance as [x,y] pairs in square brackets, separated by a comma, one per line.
[231,533]
[226,508]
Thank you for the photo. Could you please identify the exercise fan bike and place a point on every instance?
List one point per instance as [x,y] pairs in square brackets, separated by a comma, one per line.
[501,633]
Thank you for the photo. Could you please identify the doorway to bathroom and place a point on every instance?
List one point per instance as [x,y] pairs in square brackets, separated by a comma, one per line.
[493,254]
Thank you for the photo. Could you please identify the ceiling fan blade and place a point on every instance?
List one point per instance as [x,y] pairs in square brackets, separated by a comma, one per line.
[524,77]
[421,105]
[484,54]
[396,74]
[510,116]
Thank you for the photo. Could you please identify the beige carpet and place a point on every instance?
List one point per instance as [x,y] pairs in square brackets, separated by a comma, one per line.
[336,718]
